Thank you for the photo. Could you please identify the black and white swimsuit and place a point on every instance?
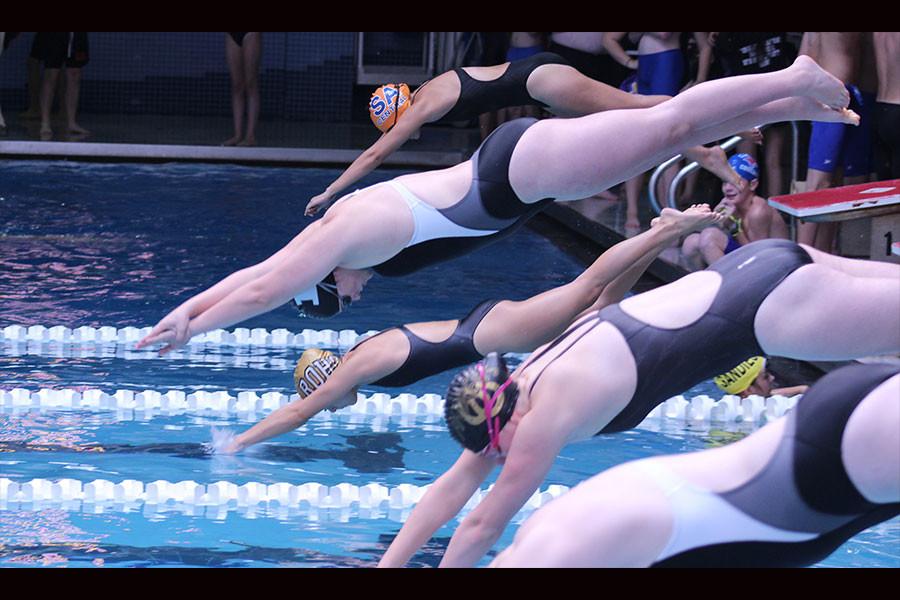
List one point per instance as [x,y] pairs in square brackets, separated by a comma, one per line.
[670,361]
[488,212]
[799,508]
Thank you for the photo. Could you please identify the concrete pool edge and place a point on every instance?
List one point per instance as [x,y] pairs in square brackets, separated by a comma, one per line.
[177,152]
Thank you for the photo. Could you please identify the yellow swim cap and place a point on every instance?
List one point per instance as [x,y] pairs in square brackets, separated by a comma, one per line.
[314,367]
[739,378]
[387,104]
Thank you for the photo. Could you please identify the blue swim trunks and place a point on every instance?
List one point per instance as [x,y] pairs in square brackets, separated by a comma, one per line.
[835,144]
[660,73]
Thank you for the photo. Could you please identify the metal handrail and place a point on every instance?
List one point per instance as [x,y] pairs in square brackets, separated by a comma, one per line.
[727,145]
[673,187]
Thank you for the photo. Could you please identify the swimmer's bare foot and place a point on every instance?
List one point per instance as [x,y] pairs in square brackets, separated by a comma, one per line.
[232,141]
[694,218]
[820,85]
[715,161]
[247,142]
[46,133]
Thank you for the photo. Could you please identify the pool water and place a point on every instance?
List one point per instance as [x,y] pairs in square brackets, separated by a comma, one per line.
[120,245]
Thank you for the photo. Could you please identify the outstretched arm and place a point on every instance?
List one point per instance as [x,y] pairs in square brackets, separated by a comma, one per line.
[297,413]
[535,446]
[443,500]
[371,158]
[523,326]
[251,291]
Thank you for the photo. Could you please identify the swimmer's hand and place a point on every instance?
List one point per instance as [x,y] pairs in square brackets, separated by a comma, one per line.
[224,441]
[174,331]
[318,203]
[752,135]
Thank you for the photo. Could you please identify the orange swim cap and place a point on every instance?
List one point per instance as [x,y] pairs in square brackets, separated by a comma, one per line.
[387,103]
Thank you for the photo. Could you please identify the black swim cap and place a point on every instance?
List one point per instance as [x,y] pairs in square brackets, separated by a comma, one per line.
[464,406]
[322,301]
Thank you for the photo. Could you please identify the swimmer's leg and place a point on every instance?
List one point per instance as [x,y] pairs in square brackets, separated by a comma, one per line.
[853,266]
[821,313]
[569,159]
[616,519]
[523,326]
[873,429]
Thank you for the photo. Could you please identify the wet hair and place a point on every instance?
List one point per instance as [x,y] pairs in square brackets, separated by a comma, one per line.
[464,406]
[323,301]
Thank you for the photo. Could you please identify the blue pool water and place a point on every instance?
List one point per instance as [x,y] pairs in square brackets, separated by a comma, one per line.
[120,245]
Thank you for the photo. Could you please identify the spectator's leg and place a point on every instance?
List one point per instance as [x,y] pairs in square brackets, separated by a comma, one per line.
[251,53]
[690,250]
[238,105]
[713,242]
[48,88]
[73,89]
[33,111]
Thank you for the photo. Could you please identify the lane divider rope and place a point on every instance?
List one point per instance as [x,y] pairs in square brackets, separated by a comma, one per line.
[130,493]
[699,409]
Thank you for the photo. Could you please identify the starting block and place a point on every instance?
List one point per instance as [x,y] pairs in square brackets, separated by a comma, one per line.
[878,201]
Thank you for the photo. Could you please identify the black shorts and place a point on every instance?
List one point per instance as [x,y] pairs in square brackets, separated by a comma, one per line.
[58,48]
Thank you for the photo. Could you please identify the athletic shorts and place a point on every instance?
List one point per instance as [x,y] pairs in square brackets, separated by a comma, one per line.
[834,145]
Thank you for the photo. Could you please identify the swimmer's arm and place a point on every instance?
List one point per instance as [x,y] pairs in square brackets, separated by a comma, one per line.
[612,43]
[789,391]
[537,442]
[297,413]
[294,272]
[373,156]
[778,228]
[443,500]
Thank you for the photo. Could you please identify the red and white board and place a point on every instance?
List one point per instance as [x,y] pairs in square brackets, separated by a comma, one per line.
[842,203]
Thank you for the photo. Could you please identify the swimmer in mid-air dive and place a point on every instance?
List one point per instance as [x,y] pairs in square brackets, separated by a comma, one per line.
[545,80]
[403,355]
[786,496]
[413,221]
[613,366]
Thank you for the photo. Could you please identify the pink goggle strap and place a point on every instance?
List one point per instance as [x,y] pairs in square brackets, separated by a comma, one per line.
[493,425]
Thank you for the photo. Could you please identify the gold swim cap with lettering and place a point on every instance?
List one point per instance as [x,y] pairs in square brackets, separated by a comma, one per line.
[742,376]
[314,367]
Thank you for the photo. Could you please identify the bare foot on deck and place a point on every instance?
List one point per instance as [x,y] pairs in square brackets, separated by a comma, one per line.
[46,133]
[232,141]
[820,85]
[250,141]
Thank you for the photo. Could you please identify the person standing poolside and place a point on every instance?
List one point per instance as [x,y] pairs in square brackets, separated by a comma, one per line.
[660,70]
[57,50]
[786,496]
[243,50]
[413,221]
[613,366]
[545,80]
[887,108]
[400,356]
[748,218]
[831,146]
